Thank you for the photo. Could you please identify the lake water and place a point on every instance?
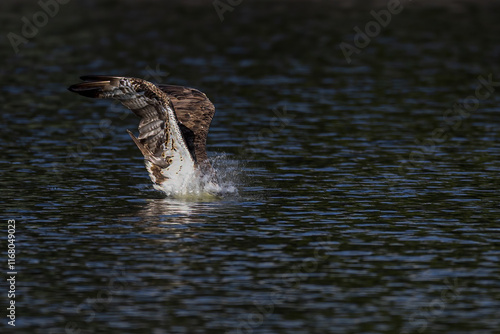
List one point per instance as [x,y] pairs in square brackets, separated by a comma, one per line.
[367,191]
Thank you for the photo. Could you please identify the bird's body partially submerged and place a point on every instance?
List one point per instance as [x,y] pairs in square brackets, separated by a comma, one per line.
[172,131]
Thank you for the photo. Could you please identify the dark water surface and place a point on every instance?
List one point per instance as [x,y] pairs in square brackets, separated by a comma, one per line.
[368,196]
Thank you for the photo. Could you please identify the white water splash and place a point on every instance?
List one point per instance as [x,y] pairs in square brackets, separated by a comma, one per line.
[196,186]
[228,174]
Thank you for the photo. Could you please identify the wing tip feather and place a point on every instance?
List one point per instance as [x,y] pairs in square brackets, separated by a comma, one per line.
[99,77]
[93,85]
[89,89]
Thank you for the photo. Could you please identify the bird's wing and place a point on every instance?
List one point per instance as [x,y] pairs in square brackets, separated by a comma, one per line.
[195,112]
[145,99]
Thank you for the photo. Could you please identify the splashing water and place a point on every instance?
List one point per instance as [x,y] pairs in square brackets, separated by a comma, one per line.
[207,186]
[229,174]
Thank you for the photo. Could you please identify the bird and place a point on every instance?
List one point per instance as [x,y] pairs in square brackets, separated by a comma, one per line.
[173,129]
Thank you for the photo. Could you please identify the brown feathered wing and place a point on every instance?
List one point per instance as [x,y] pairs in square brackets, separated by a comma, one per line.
[194,112]
[193,109]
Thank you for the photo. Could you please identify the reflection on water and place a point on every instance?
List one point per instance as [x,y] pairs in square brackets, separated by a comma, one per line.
[367,199]
[170,211]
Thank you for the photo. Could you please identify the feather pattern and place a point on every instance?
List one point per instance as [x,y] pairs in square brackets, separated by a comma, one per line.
[195,112]
[174,121]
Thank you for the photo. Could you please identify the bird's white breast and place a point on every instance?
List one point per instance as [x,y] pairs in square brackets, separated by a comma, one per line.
[181,176]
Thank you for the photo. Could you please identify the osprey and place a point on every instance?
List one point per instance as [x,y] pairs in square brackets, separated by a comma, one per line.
[172,131]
